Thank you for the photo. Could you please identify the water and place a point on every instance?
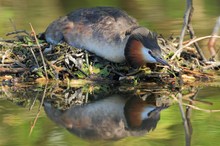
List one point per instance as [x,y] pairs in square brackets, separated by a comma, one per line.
[106,117]
[165,17]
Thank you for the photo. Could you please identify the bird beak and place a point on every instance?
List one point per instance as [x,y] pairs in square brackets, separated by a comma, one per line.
[161,60]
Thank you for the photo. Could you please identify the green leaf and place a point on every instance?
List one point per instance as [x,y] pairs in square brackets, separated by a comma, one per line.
[104,72]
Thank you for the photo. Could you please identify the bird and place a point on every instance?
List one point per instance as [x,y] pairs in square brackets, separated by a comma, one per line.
[114,116]
[109,33]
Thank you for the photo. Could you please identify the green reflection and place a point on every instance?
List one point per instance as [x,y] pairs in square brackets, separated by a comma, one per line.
[162,16]
[16,119]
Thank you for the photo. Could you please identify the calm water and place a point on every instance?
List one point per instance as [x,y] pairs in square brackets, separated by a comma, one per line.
[56,126]
[73,117]
[165,17]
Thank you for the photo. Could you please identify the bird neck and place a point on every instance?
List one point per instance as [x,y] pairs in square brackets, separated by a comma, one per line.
[141,47]
[133,53]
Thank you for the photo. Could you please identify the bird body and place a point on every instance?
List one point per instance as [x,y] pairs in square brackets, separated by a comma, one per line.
[112,117]
[107,32]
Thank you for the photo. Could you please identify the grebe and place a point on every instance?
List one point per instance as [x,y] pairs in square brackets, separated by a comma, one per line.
[112,117]
[109,33]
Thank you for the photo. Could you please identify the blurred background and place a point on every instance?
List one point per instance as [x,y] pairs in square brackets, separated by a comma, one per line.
[164,17]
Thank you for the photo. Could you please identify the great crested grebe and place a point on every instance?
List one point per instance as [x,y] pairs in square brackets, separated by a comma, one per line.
[111,117]
[109,33]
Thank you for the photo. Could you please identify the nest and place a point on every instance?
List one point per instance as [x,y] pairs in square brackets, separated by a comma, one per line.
[31,58]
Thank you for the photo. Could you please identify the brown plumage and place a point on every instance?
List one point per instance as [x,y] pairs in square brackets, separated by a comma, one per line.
[142,114]
[134,54]
[107,32]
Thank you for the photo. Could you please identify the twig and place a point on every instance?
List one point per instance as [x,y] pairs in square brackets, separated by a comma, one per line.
[5,55]
[13,24]
[17,32]
[212,40]
[39,110]
[41,54]
[190,43]
[189,98]
[185,23]
[192,34]
[201,109]
[4,70]
[116,72]
[32,105]
[87,58]
[213,65]
[17,62]
[188,115]
[196,73]
[186,126]
[199,39]
[82,71]
[35,58]
[195,107]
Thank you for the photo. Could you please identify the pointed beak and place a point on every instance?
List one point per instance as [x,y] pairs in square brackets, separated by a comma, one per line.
[161,60]
[158,58]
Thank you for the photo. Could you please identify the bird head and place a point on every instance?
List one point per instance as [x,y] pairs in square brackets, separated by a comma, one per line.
[142,114]
[142,47]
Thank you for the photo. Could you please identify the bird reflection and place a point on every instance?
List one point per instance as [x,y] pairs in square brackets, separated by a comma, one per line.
[113,117]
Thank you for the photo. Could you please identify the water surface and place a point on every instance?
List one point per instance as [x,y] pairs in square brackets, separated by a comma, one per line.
[75,117]
[165,17]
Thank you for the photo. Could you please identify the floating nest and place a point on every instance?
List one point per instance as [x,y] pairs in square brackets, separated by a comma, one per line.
[29,58]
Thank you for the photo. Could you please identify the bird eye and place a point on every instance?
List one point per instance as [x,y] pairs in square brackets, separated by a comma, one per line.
[150,52]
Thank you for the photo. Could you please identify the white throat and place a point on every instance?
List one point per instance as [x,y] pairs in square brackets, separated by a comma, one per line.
[146,111]
[148,57]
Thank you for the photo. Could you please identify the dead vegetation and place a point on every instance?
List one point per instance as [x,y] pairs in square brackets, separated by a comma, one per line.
[29,58]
